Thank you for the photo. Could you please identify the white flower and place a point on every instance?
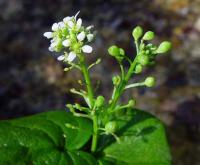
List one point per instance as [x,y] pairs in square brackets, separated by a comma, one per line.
[61,25]
[61,58]
[79,23]
[71,56]
[48,35]
[53,45]
[87,49]
[66,43]
[90,37]
[70,24]
[81,36]
[67,19]
[51,49]
[55,27]
[89,27]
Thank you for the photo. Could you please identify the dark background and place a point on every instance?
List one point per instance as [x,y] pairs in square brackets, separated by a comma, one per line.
[32,81]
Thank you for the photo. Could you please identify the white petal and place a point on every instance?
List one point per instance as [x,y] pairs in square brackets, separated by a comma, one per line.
[55,27]
[81,36]
[53,44]
[76,15]
[71,56]
[52,40]
[48,35]
[61,25]
[89,27]
[90,37]
[79,23]
[66,43]
[70,24]
[61,58]
[66,19]
[51,49]
[87,49]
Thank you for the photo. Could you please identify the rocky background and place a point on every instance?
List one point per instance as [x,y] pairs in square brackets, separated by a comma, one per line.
[32,81]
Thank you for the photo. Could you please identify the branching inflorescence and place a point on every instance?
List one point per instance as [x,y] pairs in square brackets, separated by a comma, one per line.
[71,38]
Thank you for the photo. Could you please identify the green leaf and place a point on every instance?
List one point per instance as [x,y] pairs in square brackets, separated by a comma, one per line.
[44,139]
[142,141]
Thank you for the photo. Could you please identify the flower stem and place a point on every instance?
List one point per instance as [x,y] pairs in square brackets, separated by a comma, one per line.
[95,133]
[87,81]
[91,103]
[122,84]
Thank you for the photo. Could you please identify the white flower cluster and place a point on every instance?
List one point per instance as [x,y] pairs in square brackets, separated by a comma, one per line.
[71,37]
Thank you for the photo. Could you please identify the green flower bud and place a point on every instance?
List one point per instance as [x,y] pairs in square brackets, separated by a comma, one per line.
[138,69]
[147,52]
[122,52]
[137,32]
[131,103]
[76,46]
[150,81]
[114,50]
[164,47]
[65,31]
[148,36]
[111,127]
[116,80]
[143,60]
[100,101]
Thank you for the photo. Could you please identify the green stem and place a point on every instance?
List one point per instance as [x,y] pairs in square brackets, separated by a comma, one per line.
[87,81]
[91,100]
[122,85]
[135,85]
[95,133]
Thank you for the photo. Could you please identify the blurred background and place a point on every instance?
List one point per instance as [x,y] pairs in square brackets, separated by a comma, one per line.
[32,81]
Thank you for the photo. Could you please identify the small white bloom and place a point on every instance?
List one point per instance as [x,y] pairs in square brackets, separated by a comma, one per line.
[66,43]
[53,44]
[55,27]
[81,36]
[90,37]
[61,25]
[87,49]
[71,56]
[61,58]
[79,23]
[70,24]
[51,49]
[48,35]
[66,19]
[89,27]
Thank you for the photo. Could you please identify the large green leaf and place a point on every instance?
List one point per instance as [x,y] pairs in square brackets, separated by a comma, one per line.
[142,141]
[44,139]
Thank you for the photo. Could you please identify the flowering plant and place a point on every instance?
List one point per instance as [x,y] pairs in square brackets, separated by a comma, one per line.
[120,133]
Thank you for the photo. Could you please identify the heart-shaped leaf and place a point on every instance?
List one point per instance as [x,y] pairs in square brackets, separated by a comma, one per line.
[45,139]
[142,141]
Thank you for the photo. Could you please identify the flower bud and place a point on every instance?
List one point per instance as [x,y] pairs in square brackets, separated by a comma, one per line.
[117,52]
[116,80]
[114,50]
[131,103]
[164,47]
[148,36]
[150,81]
[137,33]
[122,52]
[138,69]
[99,101]
[111,127]
[143,60]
